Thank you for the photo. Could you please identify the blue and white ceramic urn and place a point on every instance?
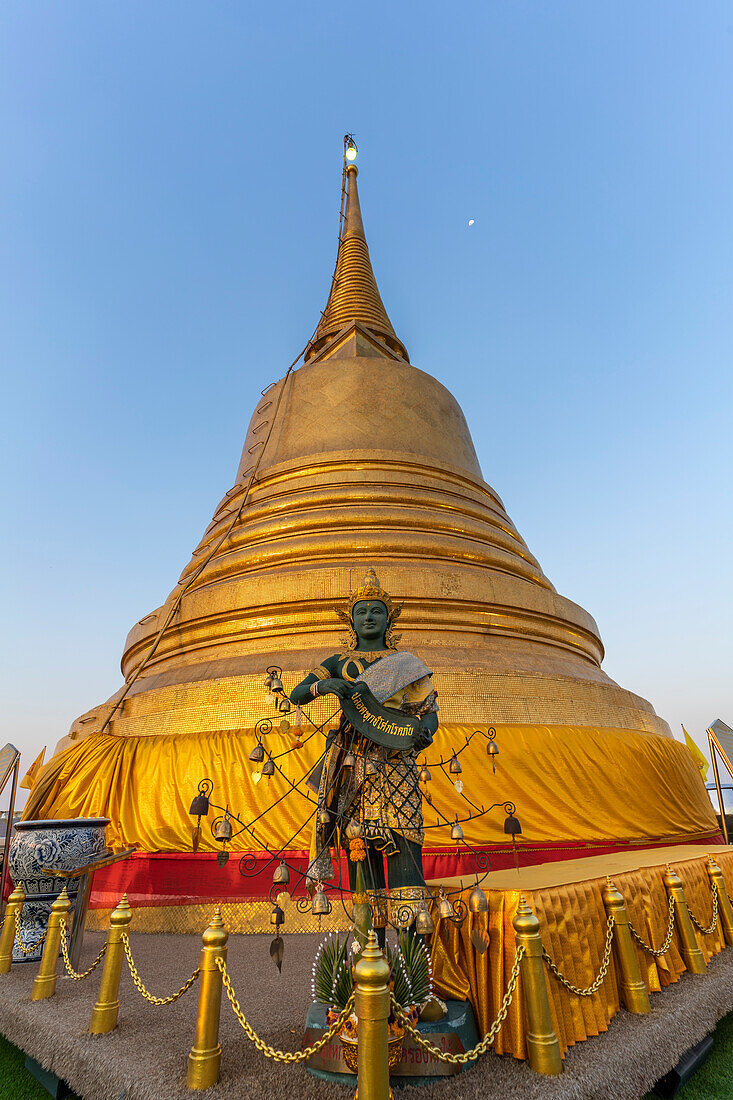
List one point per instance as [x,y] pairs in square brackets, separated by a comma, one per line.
[50,845]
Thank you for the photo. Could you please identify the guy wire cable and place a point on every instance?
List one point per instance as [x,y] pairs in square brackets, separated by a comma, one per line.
[238,514]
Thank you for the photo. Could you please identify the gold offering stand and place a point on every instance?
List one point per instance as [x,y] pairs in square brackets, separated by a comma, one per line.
[82,901]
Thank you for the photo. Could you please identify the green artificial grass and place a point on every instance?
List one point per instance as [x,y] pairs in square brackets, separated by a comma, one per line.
[714,1079]
[16,1082]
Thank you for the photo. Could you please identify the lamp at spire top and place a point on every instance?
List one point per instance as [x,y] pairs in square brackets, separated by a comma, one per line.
[350,148]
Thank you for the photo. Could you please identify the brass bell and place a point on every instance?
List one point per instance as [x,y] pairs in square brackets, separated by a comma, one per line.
[199,806]
[512,826]
[425,774]
[257,755]
[324,817]
[268,682]
[455,766]
[349,760]
[277,684]
[456,832]
[424,923]
[371,768]
[284,706]
[268,768]
[493,750]
[445,907]
[320,905]
[277,916]
[353,830]
[477,902]
[285,725]
[281,876]
[223,829]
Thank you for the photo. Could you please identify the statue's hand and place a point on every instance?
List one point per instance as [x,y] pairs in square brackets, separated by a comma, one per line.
[342,688]
[423,738]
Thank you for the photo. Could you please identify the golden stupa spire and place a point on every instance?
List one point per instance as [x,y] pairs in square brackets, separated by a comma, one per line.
[354,297]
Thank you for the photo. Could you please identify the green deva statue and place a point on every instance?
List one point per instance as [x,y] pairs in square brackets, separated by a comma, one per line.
[369,798]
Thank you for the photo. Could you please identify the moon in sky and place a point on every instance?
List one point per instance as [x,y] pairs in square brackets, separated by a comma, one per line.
[471,221]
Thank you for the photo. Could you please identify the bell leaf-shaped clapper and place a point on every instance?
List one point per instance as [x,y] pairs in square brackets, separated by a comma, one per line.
[222,858]
[276,952]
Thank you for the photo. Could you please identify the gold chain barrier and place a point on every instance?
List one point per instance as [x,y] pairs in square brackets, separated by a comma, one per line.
[601,976]
[291,1056]
[489,1037]
[714,923]
[658,952]
[67,962]
[140,986]
[26,949]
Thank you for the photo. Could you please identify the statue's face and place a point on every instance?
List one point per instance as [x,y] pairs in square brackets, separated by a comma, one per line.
[370,620]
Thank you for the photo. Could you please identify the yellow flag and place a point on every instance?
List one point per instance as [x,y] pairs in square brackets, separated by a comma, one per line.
[699,758]
[30,776]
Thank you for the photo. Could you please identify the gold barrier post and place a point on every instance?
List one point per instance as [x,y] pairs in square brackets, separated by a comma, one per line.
[204,1061]
[634,993]
[371,981]
[104,1013]
[543,1046]
[7,935]
[724,906]
[689,947]
[45,981]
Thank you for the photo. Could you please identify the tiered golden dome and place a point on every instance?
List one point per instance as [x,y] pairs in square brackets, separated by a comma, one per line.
[368,462]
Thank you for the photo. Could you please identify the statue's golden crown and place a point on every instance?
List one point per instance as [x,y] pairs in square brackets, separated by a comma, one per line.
[370,589]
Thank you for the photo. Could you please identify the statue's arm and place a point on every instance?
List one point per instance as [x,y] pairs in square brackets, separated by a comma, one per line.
[329,684]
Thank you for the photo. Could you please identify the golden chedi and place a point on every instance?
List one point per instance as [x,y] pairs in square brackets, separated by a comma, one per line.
[364,461]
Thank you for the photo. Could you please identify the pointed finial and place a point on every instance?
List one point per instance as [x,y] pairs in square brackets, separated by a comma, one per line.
[354,295]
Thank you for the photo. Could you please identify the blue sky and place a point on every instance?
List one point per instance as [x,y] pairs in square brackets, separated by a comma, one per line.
[170,188]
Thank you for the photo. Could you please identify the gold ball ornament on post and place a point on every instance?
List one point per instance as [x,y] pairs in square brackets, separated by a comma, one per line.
[7,936]
[724,906]
[371,980]
[106,1009]
[689,947]
[204,1061]
[45,982]
[634,993]
[543,1046]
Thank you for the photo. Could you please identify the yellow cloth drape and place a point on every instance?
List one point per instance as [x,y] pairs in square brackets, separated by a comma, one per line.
[573,928]
[570,784]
